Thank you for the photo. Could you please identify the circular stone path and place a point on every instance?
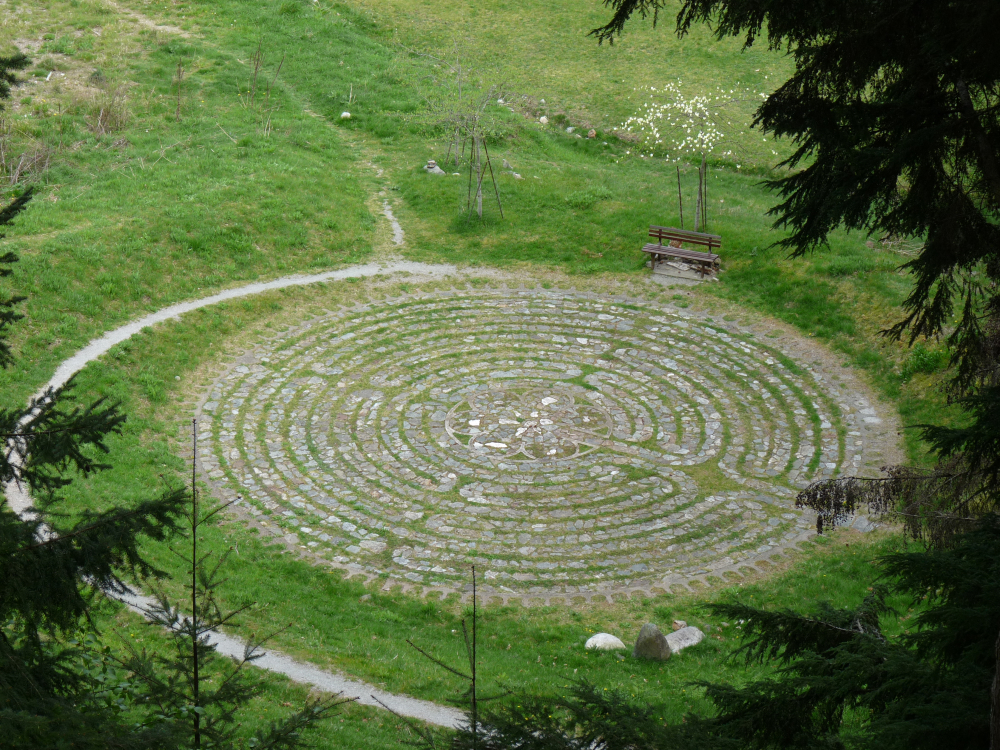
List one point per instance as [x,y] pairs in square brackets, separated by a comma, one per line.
[566,443]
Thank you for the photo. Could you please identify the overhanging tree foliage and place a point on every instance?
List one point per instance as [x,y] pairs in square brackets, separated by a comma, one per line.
[893,109]
[844,678]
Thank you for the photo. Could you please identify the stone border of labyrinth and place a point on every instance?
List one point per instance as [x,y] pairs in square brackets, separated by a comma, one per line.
[571,444]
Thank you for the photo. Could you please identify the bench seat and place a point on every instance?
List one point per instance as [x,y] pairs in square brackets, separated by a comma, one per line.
[705,263]
[679,252]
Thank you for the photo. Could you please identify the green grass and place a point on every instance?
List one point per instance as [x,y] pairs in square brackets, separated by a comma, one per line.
[564,73]
[545,655]
[329,623]
[348,726]
[167,210]
[164,210]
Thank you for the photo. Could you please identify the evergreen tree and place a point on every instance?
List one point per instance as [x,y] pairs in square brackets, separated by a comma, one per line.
[894,109]
[194,692]
[52,564]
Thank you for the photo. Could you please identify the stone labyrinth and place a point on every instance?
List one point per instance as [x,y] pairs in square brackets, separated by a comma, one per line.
[565,443]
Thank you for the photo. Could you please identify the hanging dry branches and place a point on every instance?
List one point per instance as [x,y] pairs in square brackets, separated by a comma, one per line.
[932,505]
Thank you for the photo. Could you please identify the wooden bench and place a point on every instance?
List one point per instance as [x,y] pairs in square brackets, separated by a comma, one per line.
[704,263]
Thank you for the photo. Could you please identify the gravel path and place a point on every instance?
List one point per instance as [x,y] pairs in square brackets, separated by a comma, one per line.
[333,682]
[100,346]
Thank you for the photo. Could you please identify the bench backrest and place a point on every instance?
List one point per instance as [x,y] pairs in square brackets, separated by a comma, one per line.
[711,241]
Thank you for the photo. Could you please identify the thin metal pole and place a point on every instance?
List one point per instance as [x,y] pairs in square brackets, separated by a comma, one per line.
[697,205]
[680,201]
[475,707]
[706,197]
[194,583]
[704,194]
[479,179]
[468,197]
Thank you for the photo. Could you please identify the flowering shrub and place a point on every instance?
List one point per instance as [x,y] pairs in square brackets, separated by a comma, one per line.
[673,125]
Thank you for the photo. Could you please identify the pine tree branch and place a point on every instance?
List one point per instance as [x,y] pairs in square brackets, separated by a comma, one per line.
[58,538]
[986,150]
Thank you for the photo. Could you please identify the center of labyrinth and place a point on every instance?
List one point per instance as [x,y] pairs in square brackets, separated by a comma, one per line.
[562,442]
[522,421]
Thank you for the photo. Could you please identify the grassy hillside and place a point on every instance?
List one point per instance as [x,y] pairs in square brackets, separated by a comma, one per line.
[544,51]
[150,193]
[163,208]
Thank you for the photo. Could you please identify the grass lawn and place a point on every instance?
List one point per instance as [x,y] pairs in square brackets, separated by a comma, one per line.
[562,73]
[167,207]
[330,624]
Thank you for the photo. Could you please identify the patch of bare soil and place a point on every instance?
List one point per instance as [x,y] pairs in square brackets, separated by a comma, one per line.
[146,22]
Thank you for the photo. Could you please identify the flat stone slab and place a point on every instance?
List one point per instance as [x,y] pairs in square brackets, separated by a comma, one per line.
[681,639]
[558,440]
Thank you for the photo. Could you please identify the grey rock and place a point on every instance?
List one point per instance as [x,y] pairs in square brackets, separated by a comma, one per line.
[651,644]
[684,637]
[603,642]
[432,168]
[862,524]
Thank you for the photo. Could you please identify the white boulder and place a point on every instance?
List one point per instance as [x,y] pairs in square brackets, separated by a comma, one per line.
[603,642]
[345,115]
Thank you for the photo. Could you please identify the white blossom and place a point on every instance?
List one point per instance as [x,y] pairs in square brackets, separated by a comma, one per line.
[678,125]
